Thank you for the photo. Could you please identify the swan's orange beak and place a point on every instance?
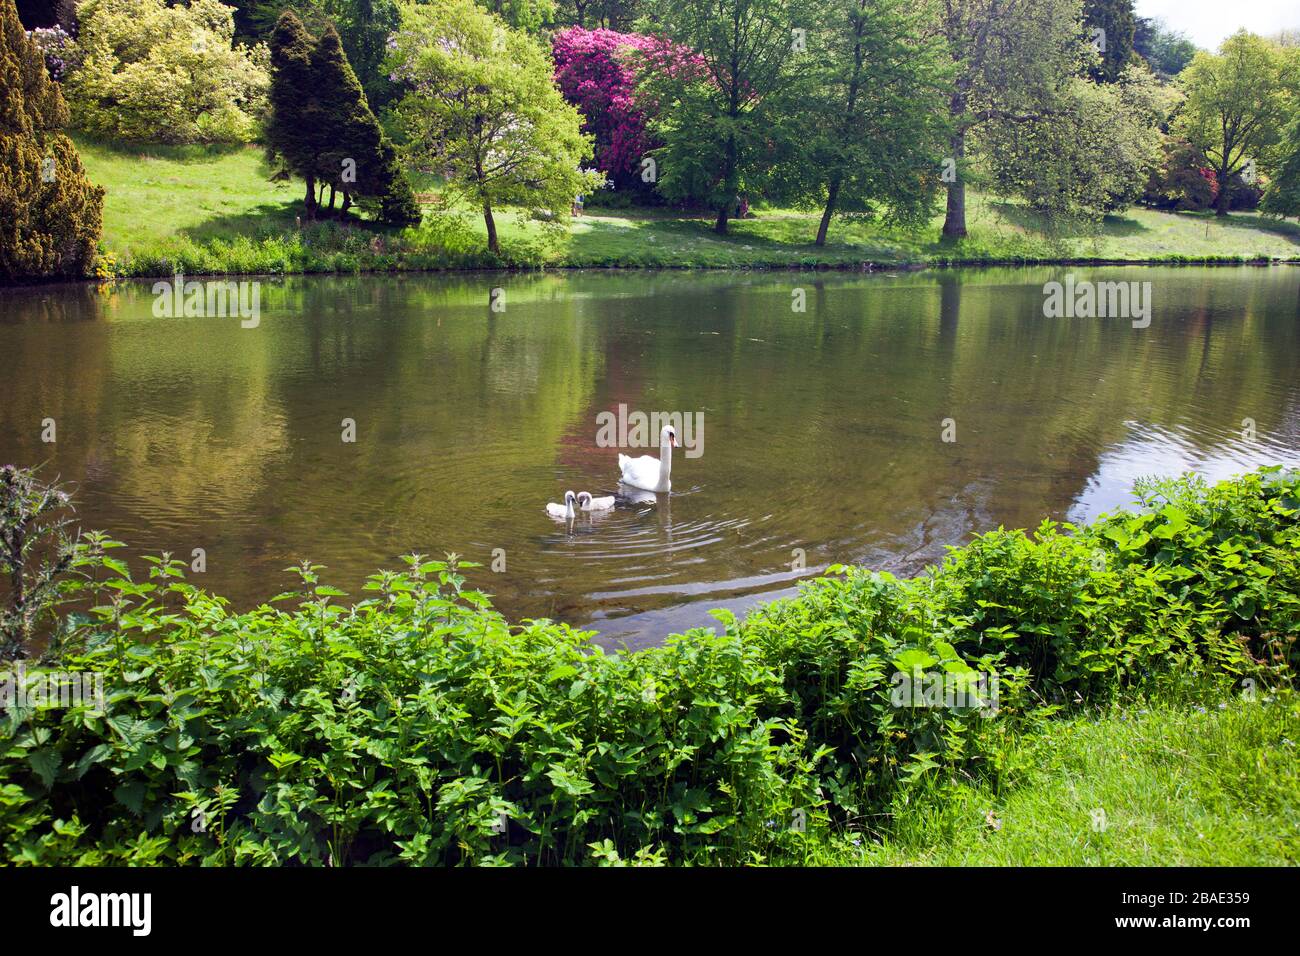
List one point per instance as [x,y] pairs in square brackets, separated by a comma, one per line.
[672,440]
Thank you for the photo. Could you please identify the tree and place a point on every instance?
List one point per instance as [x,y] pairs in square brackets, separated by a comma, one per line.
[1238,102]
[728,126]
[355,157]
[1166,51]
[364,26]
[1094,155]
[292,135]
[1183,180]
[527,15]
[480,104]
[1282,195]
[608,14]
[597,70]
[877,133]
[1012,58]
[321,127]
[1114,18]
[50,213]
[150,72]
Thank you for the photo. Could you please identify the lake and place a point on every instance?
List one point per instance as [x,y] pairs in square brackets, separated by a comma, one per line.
[896,414]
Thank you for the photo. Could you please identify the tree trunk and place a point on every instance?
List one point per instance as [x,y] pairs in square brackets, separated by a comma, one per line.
[954,223]
[1221,200]
[331,199]
[850,107]
[493,246]
[832,194]
[309,201]
[729,174]
[347,204]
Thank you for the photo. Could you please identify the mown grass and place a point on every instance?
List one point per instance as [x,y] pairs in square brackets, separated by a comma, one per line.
[203,210]
[1149,784]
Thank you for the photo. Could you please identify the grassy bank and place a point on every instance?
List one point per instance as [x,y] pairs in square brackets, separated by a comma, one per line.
[215,211]
[420,727]
[1202,780]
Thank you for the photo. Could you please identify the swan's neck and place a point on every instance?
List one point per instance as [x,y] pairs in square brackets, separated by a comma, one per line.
[666,461]
[568,509]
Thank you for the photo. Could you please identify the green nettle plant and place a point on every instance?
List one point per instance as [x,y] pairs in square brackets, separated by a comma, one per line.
[37,552]
[419,727]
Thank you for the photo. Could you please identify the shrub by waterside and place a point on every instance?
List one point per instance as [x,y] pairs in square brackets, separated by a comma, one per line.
[418,726]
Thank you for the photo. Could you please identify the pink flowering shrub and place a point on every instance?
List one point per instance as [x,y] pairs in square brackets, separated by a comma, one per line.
[596,70]
[57,46]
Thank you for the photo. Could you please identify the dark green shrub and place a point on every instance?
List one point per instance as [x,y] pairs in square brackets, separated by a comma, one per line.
[418,726]
[50,213]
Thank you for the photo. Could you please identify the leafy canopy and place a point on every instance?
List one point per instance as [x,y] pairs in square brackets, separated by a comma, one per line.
[1239,102]
[169,74]
[480,105]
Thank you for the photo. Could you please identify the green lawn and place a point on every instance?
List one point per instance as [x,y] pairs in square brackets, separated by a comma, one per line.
[1217,785]
[209,210]
[158,192]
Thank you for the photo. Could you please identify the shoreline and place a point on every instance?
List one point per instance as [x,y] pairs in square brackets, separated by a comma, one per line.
[866,267]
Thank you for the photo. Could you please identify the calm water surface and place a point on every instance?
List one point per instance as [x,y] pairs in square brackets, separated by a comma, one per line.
[822,430]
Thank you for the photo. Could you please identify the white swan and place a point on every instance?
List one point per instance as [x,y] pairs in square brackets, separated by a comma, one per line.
[562,512]
[587,503]
[647,472]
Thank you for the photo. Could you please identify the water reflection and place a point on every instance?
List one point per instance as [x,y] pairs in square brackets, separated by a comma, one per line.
[824,427]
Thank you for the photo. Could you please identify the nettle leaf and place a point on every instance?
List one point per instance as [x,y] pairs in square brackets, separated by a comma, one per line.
[117,567]
[281,760]
[914,659]
[131,795]
[946,651]
[45,763]
[561,672]
[135,731]
[91,757]
[569,782]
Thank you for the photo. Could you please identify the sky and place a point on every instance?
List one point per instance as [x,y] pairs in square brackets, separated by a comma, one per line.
[1207,22]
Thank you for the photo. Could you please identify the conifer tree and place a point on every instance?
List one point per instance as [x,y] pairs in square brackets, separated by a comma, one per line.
[322,128]
[293,133]
[1114,44]
[358,160]
[50,213]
